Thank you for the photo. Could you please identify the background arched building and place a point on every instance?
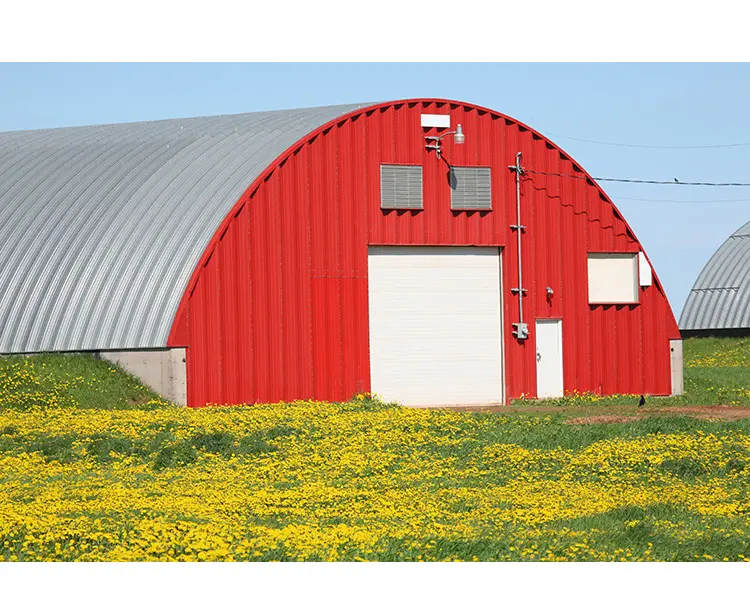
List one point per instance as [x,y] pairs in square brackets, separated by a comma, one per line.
[719,303]
[320,252]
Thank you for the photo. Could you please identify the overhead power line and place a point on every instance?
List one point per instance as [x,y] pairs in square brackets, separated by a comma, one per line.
[647,181]
[658,147]
[655,201]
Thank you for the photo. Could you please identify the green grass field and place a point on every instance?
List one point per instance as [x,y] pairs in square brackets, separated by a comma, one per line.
[717,371]
[94,466]
[67,381]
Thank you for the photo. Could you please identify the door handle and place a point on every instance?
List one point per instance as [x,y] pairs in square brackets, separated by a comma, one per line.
[538,356]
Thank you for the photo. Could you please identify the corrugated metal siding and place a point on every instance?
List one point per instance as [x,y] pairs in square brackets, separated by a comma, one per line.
[309,227]
[720,298]
[102,226]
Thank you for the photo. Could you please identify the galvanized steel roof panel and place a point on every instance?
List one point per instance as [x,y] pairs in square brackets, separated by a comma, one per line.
[102,226]
[720,298]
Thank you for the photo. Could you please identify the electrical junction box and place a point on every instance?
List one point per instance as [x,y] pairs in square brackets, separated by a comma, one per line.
[521,330]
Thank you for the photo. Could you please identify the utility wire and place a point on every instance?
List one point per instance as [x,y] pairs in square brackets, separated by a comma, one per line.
[709,146]
[654,201]
[649,181]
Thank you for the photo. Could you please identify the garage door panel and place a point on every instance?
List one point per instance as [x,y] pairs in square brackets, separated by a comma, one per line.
[435,334]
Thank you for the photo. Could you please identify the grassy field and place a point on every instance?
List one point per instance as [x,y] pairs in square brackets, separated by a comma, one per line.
[69,381]
[94,466]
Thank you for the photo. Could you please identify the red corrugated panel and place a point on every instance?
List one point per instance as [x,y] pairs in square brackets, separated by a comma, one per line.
[576,312]
[630,374]
[265,242]
[526,352]
[228,281]
[206,332]
[354,356]
[598,334]
[351,235]
[607,354]
[327,342]
[656,343]
[278,308]
[295,282]
[553,255]
[242,310]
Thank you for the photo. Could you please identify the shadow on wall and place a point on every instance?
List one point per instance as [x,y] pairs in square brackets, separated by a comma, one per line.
[702,333]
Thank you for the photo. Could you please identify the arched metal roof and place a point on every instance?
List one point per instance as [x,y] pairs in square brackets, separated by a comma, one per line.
[720,298]
[102,226]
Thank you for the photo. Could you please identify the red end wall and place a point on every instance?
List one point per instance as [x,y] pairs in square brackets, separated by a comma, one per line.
[277,308]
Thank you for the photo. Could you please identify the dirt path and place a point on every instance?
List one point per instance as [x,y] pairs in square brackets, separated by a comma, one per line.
[622,413]
[718,412]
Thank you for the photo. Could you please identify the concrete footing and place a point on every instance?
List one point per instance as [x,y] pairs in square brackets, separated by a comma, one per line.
[675,360]
[163,370]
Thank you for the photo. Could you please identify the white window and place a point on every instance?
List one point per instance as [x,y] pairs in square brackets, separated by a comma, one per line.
[613,278]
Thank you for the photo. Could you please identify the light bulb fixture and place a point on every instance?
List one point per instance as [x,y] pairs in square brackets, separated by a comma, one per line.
[459,136]
[435,142]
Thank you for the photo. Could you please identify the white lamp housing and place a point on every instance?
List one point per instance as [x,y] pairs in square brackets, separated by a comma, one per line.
[459,137]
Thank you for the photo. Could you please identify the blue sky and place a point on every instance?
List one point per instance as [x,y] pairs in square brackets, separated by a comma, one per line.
[649,104]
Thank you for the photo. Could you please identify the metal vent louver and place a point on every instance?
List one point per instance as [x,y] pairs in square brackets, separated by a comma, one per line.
[401,187]
[470,188]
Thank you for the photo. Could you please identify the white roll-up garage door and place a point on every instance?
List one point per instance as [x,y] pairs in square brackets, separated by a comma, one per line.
[435,325]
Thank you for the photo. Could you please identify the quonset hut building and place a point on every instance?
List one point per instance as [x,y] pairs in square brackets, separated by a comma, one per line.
[432,251]
[719,303]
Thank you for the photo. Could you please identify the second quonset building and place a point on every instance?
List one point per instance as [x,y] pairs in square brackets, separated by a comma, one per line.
[719,303]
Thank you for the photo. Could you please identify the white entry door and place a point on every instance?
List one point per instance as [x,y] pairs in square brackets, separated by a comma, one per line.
[549,365]
[435,327]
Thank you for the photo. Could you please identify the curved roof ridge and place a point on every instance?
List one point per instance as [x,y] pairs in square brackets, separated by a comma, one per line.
[89,258]
[720,297]
[179,120]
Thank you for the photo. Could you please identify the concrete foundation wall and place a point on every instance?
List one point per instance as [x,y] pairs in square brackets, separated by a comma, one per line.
[162,369]
[675,356]
[720,333]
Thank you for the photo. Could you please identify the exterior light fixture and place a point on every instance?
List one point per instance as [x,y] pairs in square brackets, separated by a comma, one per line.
[434,142]
[459,136]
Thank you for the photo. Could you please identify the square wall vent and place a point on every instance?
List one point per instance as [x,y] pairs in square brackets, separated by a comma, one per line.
[401,187]
[471,188]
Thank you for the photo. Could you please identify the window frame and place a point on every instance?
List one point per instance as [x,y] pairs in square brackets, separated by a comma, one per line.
[633,256]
